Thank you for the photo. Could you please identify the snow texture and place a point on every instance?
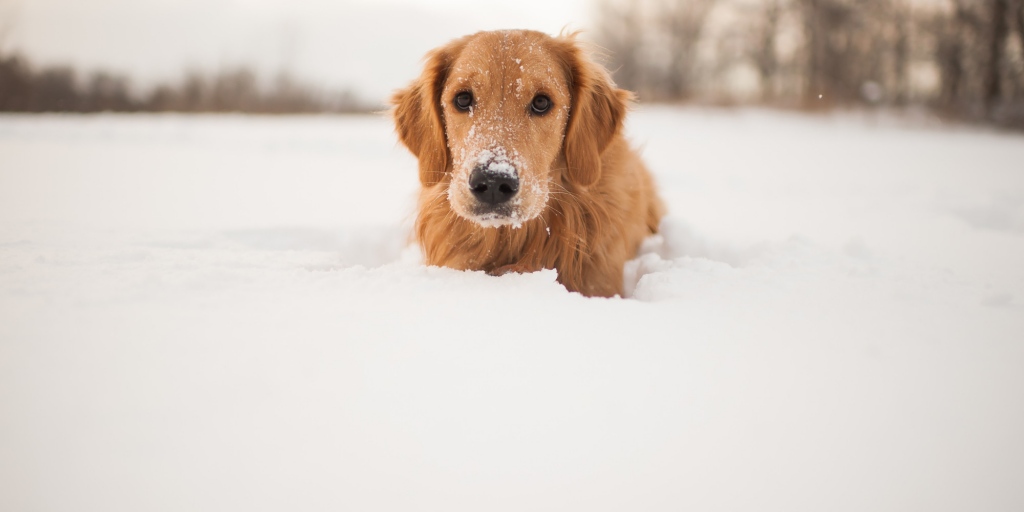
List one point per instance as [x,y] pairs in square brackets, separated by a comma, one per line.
[221,313]
[497,161]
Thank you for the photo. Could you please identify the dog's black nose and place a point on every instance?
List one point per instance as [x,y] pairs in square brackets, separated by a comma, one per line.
[491,187]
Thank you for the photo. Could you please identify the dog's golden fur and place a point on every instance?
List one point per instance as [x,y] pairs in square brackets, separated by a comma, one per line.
[585,202]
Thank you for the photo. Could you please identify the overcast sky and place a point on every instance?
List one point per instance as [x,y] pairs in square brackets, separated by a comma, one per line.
[372,46]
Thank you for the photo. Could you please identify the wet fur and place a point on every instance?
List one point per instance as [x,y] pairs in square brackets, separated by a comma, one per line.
[601,200]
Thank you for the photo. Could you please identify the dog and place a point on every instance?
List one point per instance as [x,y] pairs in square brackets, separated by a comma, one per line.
[522,161]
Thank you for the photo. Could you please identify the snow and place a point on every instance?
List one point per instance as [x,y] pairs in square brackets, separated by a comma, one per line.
[221,313]
[497,161]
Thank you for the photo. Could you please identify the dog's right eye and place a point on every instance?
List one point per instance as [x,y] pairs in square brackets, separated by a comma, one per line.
[463,101]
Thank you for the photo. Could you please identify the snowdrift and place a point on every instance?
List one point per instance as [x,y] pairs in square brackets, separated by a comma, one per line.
[223,313]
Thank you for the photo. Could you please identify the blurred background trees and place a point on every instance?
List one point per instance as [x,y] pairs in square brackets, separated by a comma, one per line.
[962,58]
[959,57]
[62,89]
[28,88]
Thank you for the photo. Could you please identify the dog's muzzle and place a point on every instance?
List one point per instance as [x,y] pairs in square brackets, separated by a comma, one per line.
[494,183]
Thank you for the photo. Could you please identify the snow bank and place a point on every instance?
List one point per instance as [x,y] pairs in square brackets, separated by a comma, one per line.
[222,314]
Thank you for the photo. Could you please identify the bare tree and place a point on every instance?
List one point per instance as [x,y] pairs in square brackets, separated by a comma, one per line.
[1017,22]
[829,27]
[654,43]
[683,24]
[621,32]
[949,55]
[997,35]
[971,55]
[762,47]
[901,33]
[15,84]
[56,87]
[1020,25]
[235,90]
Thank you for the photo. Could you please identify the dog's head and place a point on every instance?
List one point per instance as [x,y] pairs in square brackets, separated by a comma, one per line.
[503,119]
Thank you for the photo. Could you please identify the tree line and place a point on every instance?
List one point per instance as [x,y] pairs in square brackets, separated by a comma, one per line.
[957,57]
[28,88]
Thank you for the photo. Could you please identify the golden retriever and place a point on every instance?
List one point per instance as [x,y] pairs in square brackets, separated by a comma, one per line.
[522,162]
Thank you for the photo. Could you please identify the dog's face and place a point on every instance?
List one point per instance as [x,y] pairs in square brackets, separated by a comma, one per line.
[503,119]
[505,104]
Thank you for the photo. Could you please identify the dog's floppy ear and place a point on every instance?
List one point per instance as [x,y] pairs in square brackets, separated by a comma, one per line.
[418,117]
[595,116]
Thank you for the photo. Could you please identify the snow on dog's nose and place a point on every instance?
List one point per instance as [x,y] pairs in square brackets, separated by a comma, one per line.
[494,180]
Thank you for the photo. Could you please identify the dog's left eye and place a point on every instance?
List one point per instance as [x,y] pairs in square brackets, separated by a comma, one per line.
[463,100]
[541,104]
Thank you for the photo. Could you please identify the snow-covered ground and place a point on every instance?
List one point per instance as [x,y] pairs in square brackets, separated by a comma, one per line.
[220,313]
